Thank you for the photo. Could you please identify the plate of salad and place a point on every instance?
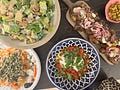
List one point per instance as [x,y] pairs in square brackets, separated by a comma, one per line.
[19,69]
[28,23]
[73,64]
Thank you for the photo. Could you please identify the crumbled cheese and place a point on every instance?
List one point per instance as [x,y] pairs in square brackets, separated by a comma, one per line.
[74,67]
[3,8]
[77,9]
[109,44]
[30,18]
[93,15]
[103,40]
[30,72]
[18,16]
[11,4]
[62,61]
[83,13]
[118,43]
[75,59]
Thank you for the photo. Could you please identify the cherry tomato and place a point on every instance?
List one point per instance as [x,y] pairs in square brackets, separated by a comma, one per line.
[73,72]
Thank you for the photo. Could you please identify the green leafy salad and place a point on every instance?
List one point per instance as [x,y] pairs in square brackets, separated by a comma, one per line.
[26,20]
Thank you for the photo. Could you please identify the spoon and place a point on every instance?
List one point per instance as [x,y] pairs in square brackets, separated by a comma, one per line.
[68,17]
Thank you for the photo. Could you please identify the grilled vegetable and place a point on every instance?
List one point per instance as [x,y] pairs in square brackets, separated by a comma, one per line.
[97,31]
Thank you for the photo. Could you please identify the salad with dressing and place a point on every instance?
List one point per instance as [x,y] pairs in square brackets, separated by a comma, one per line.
[26,20]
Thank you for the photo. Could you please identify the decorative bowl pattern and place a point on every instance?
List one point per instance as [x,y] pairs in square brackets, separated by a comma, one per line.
[87,79]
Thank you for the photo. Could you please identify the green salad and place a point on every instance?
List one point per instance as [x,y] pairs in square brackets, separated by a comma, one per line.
[26,20]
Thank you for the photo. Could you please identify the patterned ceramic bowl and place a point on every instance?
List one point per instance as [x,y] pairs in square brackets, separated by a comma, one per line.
[87,79]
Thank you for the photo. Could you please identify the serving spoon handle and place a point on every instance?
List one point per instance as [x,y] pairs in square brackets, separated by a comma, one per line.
[68,3]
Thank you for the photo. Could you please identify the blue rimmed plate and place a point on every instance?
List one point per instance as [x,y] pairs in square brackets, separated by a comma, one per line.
[84,81]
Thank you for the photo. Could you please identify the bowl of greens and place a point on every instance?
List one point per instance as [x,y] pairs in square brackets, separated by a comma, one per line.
[73,64]
[28,23]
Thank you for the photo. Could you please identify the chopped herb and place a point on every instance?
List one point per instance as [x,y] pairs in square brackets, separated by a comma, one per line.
[72,62]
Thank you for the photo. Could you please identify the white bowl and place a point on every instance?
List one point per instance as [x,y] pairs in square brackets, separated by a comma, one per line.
[18,44]
[38,64]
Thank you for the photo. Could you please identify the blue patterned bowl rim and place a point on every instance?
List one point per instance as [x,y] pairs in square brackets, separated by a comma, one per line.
[79,39]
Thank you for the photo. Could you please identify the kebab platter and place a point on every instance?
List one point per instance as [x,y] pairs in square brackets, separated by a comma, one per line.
[87,22]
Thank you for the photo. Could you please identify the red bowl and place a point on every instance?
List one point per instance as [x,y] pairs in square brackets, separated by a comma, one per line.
[107,8]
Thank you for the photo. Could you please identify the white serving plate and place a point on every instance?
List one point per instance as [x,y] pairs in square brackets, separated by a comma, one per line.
[38,64]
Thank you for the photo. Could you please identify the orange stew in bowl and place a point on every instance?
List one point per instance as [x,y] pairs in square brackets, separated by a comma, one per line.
[72,62]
